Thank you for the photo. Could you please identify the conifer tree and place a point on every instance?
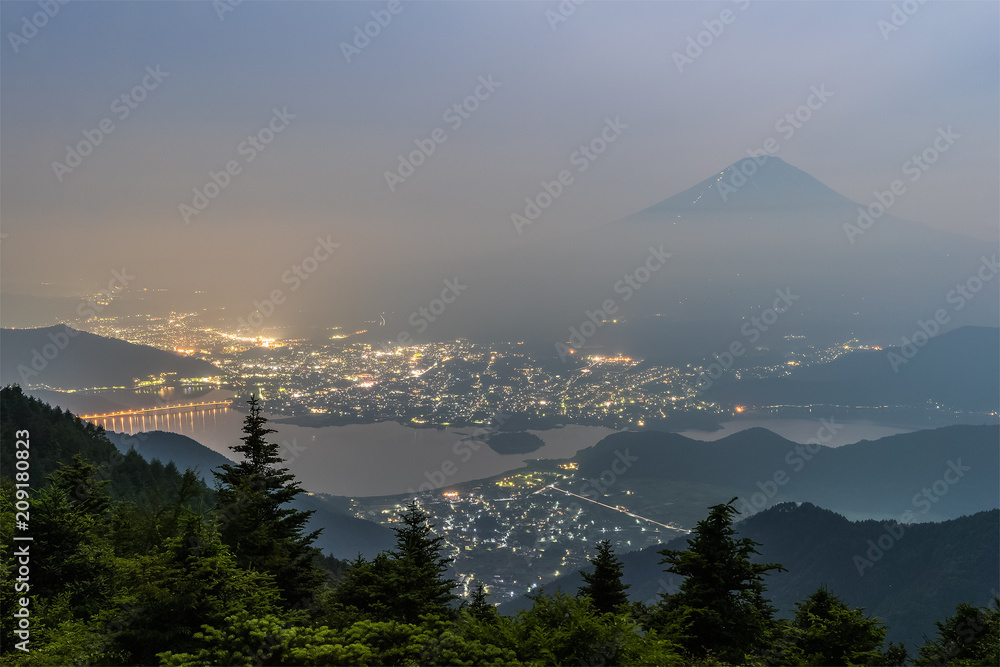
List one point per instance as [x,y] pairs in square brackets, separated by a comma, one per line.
[828,632]
[604,585]
[419,568]
[971,636]
[721,600]
[479,607]
[256,522]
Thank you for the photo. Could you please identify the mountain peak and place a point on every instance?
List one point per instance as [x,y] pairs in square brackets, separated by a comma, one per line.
[761,183]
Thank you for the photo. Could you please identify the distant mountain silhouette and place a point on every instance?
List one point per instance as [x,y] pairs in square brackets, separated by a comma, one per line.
[64,358]
[956,370]
[866,479]
[918,580]
[751,184]
[185,452]
[854,274]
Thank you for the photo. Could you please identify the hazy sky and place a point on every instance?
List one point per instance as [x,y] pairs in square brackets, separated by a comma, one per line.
[559,81]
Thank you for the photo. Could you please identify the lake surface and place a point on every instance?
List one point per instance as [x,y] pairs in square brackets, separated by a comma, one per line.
[386,458]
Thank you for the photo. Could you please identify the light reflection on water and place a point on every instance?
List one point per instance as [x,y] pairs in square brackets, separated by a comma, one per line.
[388,458]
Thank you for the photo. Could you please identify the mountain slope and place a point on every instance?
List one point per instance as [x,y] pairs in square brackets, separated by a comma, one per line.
[55,437]
[765,183]
[956,467]
[185,452]
[62,357]
[954,370]
[782,230]
[925,571]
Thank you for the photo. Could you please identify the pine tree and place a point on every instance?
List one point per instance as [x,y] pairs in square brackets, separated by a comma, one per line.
[419,568]
[604,585]
[971,636]
[366,591]
[828,632]
[721,600]
[262,532]
[192,581]
[479,607]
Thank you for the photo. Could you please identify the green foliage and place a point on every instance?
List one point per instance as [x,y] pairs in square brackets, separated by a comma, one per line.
[55,436]
[825,631]
[401,585]
[193,581]
[128,568]
[261,530]
[71,642]
[479,608]
[970,636]
[566,630]
[418,576]
[68,524]
[364,591]
[270,640]
[604,585]
[720,604]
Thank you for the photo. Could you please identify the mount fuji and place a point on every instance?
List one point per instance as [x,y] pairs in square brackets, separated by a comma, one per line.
[735,240]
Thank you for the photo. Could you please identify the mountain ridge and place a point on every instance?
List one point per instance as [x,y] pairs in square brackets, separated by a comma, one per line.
[762,468]
[66,358]
[927,569]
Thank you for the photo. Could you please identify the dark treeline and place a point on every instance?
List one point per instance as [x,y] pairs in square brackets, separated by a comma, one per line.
[135,562]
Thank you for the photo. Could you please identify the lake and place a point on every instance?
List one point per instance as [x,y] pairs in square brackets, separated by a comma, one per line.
[388,458]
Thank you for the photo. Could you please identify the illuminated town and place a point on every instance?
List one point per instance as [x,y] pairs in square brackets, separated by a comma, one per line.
[344,379]
[528,527]
[525,527]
